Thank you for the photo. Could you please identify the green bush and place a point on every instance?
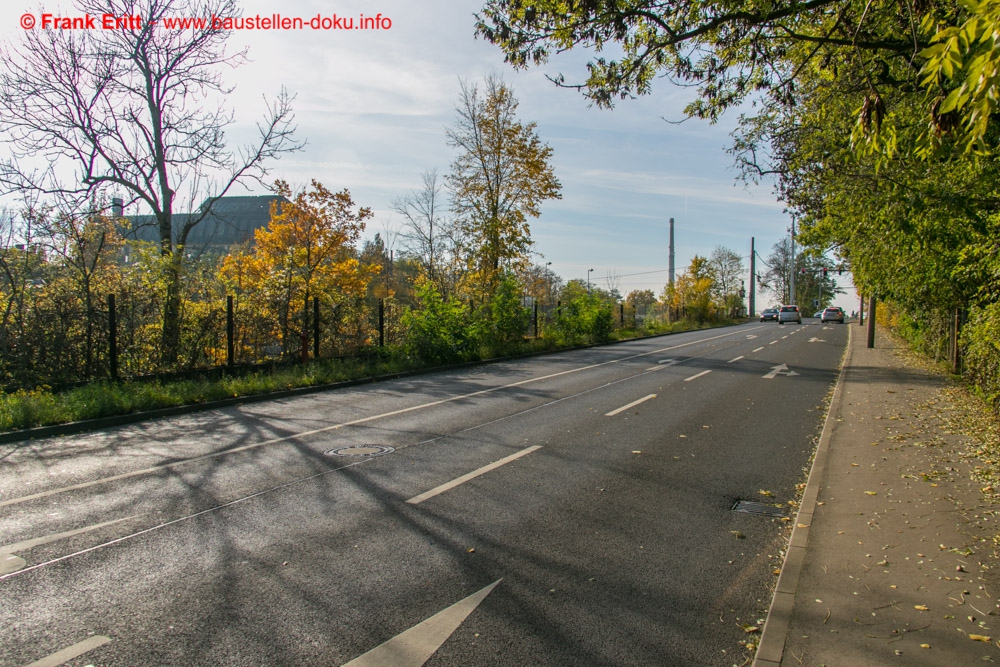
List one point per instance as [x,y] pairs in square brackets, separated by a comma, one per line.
[508,318]
[441,329]
[981,340]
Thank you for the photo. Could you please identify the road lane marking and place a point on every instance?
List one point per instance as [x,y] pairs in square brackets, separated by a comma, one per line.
[67,654]
[415,646]
[630,405]
[11,563]
[355,422]
[695,377]
[758,349]
[780,369]
[772,342]
[732,361]
[416,500]
[667,361]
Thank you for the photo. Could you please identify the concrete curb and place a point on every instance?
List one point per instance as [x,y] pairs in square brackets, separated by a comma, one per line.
[85,426]
[779,617]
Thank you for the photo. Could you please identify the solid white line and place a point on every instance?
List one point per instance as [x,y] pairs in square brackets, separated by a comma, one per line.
[630,405]
[67,654]
[758,349]
[695,377]
[731,361]
[355,422]
[28,544]
[415,646]
[416,500]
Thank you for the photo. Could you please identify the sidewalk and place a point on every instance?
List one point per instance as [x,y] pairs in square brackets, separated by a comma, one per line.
[889,558]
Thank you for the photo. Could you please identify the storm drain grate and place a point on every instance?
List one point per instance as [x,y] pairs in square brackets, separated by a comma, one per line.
[758,508]
[360,450]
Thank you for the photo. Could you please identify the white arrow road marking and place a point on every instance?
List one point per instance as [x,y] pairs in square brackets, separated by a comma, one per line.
[781,369]
[67,654]
[630,405]
[415,646]
[664,363]
[816,340]
[10,563]
[416,500]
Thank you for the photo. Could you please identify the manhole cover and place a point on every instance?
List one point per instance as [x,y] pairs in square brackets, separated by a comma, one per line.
[360,450]
[758,508]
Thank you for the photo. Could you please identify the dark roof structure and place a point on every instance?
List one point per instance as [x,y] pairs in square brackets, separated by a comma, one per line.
[232,220]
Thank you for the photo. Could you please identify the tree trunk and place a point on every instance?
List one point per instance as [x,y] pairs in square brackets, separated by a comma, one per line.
[170,340]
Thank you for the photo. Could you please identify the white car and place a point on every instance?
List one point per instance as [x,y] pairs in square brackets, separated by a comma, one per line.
[789,314]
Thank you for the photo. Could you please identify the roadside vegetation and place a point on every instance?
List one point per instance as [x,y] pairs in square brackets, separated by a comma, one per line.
[23,409]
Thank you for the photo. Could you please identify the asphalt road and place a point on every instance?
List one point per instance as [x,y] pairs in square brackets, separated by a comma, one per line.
[508,514]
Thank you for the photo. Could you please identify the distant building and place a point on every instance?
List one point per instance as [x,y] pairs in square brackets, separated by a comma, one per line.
[232,220]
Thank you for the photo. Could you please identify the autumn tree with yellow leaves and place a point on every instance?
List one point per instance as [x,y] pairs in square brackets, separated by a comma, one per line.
[498,180]
[307,250]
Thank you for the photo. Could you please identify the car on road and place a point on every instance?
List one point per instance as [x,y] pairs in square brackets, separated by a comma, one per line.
[769,315]
[789,313]
[833,314]
[818,314]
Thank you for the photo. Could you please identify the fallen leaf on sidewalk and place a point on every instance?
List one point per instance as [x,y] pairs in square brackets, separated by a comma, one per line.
[921,607]
[766,493]
[871,493]
[925,646]
[979,638]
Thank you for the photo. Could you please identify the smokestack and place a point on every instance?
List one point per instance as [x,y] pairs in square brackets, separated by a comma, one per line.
[117,207]
[670,265]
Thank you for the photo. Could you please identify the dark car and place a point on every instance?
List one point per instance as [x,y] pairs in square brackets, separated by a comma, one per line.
[833,314]
[769,314]
[789,314]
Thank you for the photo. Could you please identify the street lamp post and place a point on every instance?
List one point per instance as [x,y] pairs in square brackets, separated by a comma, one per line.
[589,271]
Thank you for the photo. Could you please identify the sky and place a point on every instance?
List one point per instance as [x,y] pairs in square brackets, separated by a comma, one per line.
[373,107]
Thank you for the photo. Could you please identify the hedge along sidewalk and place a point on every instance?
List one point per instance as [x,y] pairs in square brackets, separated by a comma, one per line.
[96,424]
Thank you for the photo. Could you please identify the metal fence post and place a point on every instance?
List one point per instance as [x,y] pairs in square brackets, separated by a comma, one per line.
[316,327]
[230,332]
[381,322]
[112,337]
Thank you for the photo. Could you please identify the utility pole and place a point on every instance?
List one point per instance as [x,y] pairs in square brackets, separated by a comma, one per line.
[791,282]
[753,279]
[670,262]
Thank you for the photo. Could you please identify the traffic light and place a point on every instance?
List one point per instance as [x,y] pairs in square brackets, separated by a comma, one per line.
[840,270]
[824,273]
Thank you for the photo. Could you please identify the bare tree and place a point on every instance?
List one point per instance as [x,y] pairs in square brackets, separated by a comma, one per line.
[134,111]
[424,234]
[727,273]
